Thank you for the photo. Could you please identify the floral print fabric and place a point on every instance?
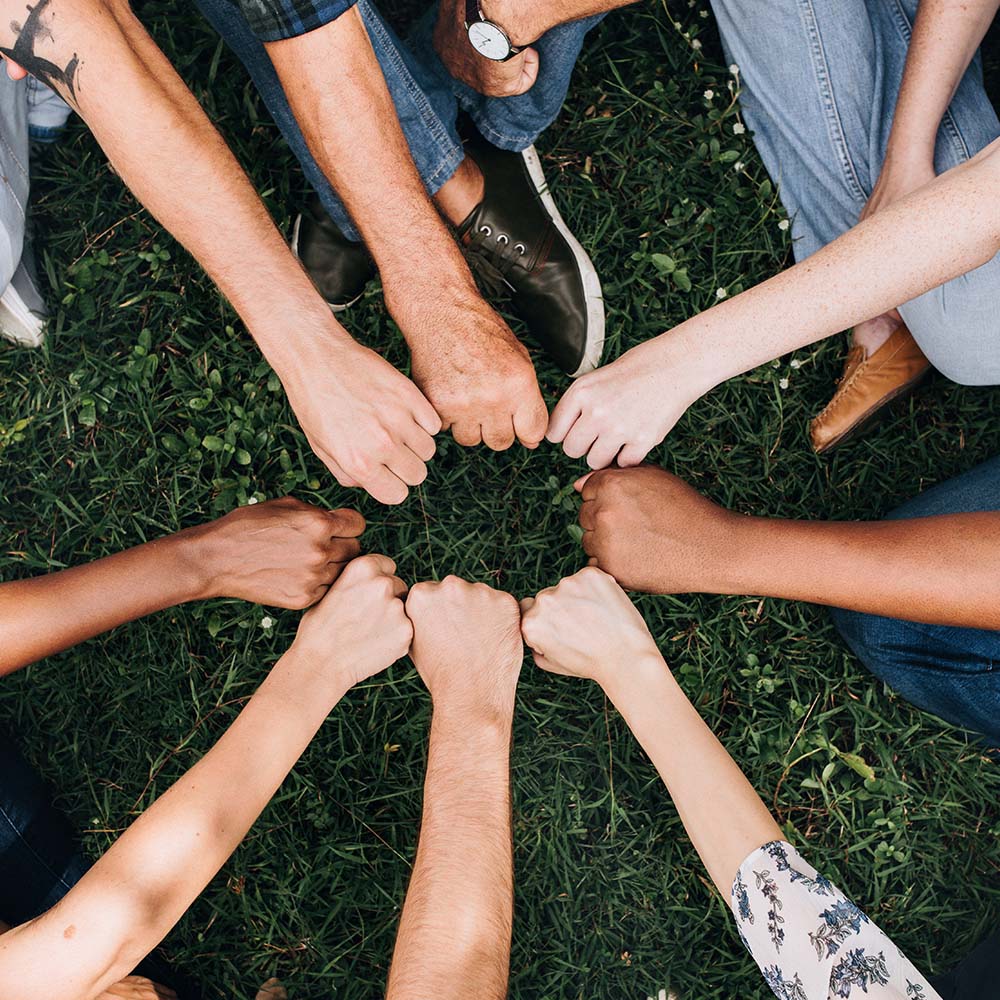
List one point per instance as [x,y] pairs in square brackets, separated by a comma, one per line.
[810,941]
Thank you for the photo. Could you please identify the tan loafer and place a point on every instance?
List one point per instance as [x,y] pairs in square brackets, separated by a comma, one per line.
[867,385]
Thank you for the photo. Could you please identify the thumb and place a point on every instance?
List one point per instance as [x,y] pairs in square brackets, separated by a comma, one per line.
[582,481]
[16,72]
[526,604]
[529,71]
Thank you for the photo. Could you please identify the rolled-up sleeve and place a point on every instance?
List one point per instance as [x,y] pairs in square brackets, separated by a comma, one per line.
[274,20]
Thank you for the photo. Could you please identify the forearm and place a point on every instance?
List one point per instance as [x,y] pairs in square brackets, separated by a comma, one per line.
[525,21]
[364,154]
[455,930]
[165,149]
[46,614]
[721,812]
[945,37]
[945,229]
[940,570]
[132,897]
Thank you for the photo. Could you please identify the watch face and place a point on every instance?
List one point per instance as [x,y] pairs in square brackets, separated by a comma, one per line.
[488,40]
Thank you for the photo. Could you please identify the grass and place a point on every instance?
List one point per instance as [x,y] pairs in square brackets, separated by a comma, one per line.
[146,362]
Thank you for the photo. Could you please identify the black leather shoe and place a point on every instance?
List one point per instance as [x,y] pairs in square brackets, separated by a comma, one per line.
[516,239]
[339,268]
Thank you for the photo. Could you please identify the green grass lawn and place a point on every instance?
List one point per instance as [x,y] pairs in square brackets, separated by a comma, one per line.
[146,362]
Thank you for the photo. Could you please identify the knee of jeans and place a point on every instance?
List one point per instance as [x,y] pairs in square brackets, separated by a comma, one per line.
[868,637]
[958,326]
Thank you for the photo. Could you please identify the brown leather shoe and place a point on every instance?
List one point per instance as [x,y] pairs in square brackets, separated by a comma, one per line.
[868,384]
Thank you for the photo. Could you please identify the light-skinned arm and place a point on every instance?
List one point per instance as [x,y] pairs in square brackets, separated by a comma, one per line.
[524,22]
[465,358]
[945,229]
[283,553]
[141,887]
[368,423]
[945,37]
[455,930]
[652,532]
[587,627]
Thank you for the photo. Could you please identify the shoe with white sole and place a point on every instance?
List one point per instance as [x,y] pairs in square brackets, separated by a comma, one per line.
[517,241]
[23,315]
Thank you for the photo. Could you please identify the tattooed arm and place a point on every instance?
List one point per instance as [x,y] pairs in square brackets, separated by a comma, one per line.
[367,422]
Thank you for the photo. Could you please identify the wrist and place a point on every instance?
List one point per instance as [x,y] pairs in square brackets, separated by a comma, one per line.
[193,561]
[523,23]
[631,676]
[308,680]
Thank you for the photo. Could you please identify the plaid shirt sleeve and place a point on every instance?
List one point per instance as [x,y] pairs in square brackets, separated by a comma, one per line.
[273,20]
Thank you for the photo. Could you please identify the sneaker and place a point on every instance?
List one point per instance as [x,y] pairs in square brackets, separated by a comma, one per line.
[339,267]
[23,315]
[517,241]
[867,385]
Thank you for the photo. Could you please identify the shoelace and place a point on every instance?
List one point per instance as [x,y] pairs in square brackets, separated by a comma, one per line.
[492,257]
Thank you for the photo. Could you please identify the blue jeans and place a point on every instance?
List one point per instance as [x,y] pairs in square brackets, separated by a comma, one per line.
[426,96]
[820,80]
[952,672]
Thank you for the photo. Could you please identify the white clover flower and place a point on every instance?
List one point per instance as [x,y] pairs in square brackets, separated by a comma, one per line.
[739,166]
[252,500]
[703,13]
[734,69]
[783,383]
[267,622]
[739,128]
[708,95]
[795,363]
[784,224]
[696,45]
[721,293]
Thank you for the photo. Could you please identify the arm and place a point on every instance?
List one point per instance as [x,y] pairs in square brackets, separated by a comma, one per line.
[524,22]
[282,553]
[455,930]
[465,358]
[357,411]
[587,627]
[628,407]
[652,532]
[945,37]
[129,900]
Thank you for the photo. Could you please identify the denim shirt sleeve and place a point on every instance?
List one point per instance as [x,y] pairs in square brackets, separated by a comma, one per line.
[273,20]
[809,940]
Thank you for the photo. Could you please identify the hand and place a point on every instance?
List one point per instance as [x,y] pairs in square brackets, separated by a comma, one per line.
[472,368]
[899,177]
[360,626]
[467,645]
[627,408]
[284,552]
[487,76]
[368,423]
[586,627]
[653,532]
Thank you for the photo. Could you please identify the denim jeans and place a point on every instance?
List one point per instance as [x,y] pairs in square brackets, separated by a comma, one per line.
[426,96]
[952,672]
[820,80]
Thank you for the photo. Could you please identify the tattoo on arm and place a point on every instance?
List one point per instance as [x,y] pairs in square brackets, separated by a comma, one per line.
[23,52]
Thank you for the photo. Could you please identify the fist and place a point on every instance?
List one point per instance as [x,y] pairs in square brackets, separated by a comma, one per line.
[586,627]
[285,553]
[653,533]
[467,645]
[360,626]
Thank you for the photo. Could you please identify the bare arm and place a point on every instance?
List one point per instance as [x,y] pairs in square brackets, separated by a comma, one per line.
[945,37]
[910,247]
[455,930]
[587,627]
[358,413]
[653,532]
[283,552]
[129,900]
[464,356]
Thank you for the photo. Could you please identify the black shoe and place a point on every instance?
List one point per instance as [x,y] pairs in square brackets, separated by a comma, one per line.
[339,268]
[516,238]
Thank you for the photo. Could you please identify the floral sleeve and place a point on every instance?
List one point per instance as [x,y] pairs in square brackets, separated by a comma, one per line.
[810,941]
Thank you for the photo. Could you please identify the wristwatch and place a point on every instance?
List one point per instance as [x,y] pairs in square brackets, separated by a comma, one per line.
[487,38]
